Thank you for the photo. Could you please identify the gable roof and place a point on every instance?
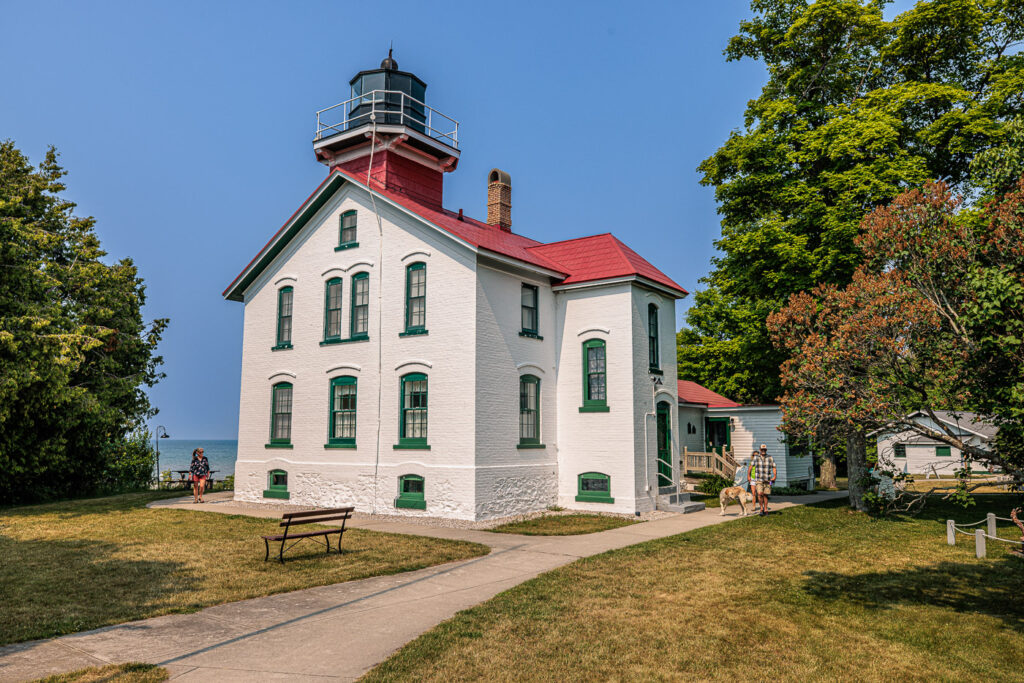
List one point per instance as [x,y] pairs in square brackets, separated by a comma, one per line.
[691,392]
[568,261]
[970,422]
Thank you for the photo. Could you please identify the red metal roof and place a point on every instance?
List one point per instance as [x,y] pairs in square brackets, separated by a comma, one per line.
[600,257]
[691,392]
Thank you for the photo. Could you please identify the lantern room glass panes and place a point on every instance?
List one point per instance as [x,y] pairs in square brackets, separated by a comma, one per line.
[360,305]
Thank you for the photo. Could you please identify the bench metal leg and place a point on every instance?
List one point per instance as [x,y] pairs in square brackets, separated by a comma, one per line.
[267,555]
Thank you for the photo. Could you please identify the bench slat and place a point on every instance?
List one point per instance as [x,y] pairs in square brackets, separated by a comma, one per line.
[314,520]
[307,534]
[310,513]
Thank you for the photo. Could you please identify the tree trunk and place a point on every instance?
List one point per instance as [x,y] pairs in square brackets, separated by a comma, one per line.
[856,464]
[827,478]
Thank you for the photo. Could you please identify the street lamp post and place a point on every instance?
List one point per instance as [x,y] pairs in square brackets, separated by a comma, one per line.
[156,438]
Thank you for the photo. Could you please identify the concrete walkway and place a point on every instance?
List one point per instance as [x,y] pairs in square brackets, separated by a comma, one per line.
[338,631]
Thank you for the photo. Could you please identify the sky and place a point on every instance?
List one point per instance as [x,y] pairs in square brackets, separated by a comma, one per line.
[186,128]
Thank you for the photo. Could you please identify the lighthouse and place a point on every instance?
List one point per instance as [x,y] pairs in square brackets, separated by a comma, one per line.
[387,128]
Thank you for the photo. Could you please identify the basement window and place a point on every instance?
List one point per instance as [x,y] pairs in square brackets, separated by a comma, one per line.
[594,487]
[277,485]
[410,492]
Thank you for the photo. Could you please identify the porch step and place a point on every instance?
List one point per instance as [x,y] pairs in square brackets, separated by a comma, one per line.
[678,502]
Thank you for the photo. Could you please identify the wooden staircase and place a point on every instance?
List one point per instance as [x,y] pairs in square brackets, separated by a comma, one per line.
[700,462]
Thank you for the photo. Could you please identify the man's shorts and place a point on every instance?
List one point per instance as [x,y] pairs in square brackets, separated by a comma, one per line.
[764,488]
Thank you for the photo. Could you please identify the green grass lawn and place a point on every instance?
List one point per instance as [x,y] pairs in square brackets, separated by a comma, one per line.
[563,525]
[73,566]
[112,673]
[805,594]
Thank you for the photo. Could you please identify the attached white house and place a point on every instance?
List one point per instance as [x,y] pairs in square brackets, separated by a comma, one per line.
[712,422]
[405,358]
[914,453]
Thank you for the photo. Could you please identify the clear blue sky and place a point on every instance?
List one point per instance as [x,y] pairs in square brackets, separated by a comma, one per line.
[187,128]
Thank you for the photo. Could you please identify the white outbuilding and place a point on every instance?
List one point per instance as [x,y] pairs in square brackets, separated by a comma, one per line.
[912,452]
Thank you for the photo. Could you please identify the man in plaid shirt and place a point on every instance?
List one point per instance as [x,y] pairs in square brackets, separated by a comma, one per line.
[763,469]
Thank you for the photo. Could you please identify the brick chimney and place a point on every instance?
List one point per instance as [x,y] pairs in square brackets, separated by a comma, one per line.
[499,199]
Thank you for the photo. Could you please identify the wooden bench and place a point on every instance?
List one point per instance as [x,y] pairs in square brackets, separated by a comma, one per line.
[290,519]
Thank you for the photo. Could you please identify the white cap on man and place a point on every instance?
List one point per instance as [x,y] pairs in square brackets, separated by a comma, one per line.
[764,447]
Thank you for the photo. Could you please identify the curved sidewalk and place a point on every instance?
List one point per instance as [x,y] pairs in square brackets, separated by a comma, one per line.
[338,631]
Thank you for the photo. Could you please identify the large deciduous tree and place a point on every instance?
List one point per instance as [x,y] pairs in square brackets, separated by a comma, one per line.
[856,110]
[75,353]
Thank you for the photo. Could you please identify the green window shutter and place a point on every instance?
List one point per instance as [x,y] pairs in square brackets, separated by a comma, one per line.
[594,487]
[332,310]
[277,485]
[416,297]
[413,411]
[342,408]
[899,450]
[529,310]
[595,381]
[942,451]
[411,492]
[281,414]
[529,410]
[285,299]
[347,230]
[360,323]
[652,337]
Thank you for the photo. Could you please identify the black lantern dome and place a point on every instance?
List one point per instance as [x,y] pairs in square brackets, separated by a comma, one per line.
[394,97]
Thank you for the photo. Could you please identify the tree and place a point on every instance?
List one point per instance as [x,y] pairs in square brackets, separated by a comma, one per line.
[856,110]
[75,354]
[933,320]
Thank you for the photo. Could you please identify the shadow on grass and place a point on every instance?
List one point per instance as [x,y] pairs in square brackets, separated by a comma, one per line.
[991,588]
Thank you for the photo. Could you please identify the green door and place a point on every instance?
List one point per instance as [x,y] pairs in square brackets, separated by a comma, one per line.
[717,434]
[664,444]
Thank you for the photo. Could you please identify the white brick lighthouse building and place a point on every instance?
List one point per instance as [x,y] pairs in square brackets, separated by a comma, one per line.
[404,358]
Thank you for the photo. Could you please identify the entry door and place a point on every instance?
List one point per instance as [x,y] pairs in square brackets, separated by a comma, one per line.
[717,431]
[664,444]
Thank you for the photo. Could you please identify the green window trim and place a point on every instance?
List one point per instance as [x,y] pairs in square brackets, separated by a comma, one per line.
[281,415]
[413,333]
[943,451]
[594,487]
[413,411]
[285,306]
[339,445]
[595,377]
[280,347]
[653,354]
[530,314]
[529,446]
[899,450]
[359,322]
[529,410]
[411,492]
[342,401]
[347,234]
[277,485]
[332,310]
[416,298]
[331,342]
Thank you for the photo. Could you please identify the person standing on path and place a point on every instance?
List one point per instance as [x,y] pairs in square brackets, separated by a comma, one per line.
[199,470]
[742,476]
[763,466]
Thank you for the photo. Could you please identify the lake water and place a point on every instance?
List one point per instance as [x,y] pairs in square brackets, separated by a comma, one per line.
[176,454]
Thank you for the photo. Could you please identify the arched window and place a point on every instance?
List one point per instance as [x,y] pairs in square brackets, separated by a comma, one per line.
[410,492]
[416,298]
[595,383]
[360,325]
[347,231]
[529,411]
[594,487]
[332,310]
[413,413]
[285,296]
[652,337]
[342,430]
[281,415]
[277,485]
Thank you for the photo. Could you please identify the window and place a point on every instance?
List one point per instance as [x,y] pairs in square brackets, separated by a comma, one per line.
[529,411]
[413,417]
[652,337]
[899,450]
[342,430]
[942,451]
[332,310]
[595,398]
[529,312]
[285,296]
[347,231]
[410,493]
[281,416]
[360,306]
[594,487]
[277,485]
[416,299]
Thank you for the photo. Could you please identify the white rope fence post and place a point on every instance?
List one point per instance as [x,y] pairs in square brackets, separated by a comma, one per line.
[991,519]
[950,532]
[979,544]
